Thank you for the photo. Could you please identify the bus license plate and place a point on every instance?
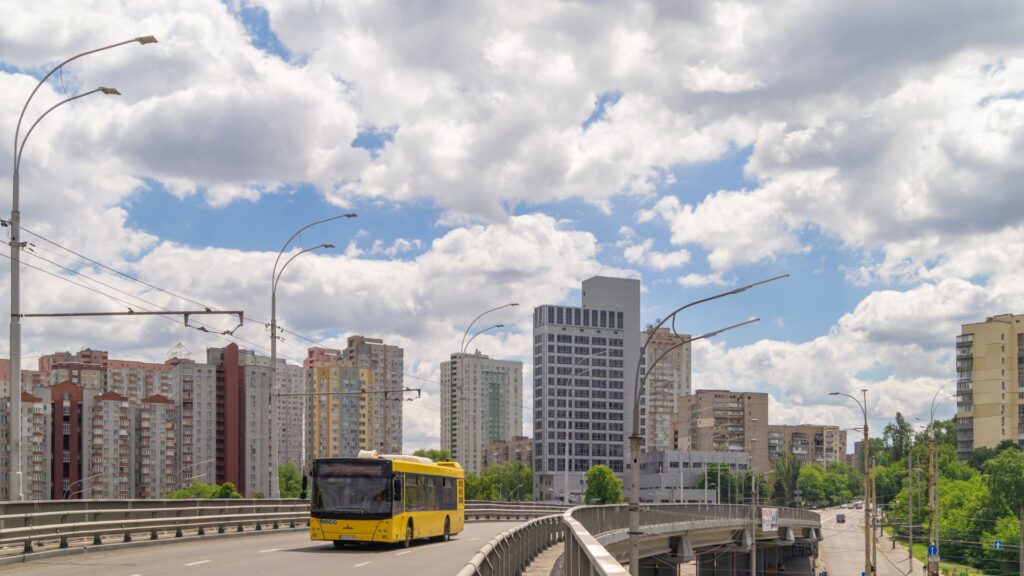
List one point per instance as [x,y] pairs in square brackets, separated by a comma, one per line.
[348,538]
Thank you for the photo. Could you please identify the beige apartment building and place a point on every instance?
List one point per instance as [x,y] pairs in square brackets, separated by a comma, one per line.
[156,468]
[336,409]
[724,421]
[667,382]
[810,443]
[990,383]
[518,450]
[481,402]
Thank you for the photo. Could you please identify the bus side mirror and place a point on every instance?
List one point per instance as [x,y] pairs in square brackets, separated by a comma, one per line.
[396,494]
[302,493]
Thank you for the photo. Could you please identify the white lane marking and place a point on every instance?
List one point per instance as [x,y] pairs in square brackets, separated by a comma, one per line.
[404,553]
[269,550]
[197,563]
[362,564]
[471,539]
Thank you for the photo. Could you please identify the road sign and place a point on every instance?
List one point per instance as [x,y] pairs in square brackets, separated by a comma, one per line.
[998,544]
[933,554]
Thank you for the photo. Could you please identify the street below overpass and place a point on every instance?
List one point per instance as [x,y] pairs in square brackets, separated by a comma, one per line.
[271,553]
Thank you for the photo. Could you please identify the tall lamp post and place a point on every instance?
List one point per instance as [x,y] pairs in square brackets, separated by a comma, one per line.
[934,531]
[68,492]
[15,489]
[635,439]
[867,478]
[275,490]
[458,369]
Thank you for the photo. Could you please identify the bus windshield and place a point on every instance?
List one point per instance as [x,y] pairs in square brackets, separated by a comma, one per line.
[347,489]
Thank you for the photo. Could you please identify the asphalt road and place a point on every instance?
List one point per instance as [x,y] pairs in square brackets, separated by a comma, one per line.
[842,547]
[280,553]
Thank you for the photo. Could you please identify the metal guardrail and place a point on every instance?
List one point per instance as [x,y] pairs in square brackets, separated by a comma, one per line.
[59,521]
[512,551]
[584,553]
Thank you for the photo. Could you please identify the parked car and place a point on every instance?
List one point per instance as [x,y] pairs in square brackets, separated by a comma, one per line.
[858,505]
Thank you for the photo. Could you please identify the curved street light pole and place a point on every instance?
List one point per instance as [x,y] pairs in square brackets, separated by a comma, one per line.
[634,439]
[456,369]
[275,490]
[867,477]
[68,493]
[14,482]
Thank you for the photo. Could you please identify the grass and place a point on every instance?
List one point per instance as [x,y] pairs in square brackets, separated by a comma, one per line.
[921,554]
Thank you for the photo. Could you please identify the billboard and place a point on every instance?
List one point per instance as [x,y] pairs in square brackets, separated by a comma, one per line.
[769,519]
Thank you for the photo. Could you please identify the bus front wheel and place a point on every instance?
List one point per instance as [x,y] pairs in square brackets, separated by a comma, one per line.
[408,535]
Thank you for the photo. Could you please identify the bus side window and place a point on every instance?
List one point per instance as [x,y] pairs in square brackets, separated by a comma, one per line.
[397,494]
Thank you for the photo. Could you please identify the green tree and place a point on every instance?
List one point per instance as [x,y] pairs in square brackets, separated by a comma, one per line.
[434,454]
[898,436]
[602,486]
[226,490]
[514,481]
[197,490]
[289,481]
[787,473]
[981,455]
[718,475]
[811,482]
[481,487]
[1005,479]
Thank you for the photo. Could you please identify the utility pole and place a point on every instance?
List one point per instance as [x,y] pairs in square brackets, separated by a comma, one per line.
[910,510]
[874,517]
[933,567]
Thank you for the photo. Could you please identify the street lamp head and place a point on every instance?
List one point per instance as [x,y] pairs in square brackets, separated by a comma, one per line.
[327,245]
[146,40]
[514,304]
[109,91]
[833,393]
[350,215]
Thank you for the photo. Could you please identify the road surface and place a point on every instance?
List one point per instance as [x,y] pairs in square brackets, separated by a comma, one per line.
[270,554]
[842,547]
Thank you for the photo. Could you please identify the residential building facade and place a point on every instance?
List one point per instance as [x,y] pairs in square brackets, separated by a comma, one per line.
[156,436]
[481,402]
[810,443]
[113,450]
[585,360]
[724,421]
[518,450]
[36,452]
[664,385]
[336,408]
[291,411]
[384,397]
[990,383]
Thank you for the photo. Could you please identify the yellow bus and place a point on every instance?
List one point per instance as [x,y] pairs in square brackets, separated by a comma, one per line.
[385,498]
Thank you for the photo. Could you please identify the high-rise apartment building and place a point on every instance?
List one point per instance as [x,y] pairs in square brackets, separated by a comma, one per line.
[156,437]
[481,402]
[336,409]
[243,419]
[194,392]
[113,447]
[584,364]
[724,421]
[990,383]
[138,380]
[36,453]
[291,412]
[384,396]
[667,382]
[809,443]
[70,438]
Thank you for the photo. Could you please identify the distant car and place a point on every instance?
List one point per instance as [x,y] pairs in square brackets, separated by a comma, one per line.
[843,505]
[858,505]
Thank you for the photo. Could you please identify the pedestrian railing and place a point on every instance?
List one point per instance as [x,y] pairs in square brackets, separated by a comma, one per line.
[511,552]
[584,525]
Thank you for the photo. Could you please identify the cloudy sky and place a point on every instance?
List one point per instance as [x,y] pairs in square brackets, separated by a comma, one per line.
[505,151]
